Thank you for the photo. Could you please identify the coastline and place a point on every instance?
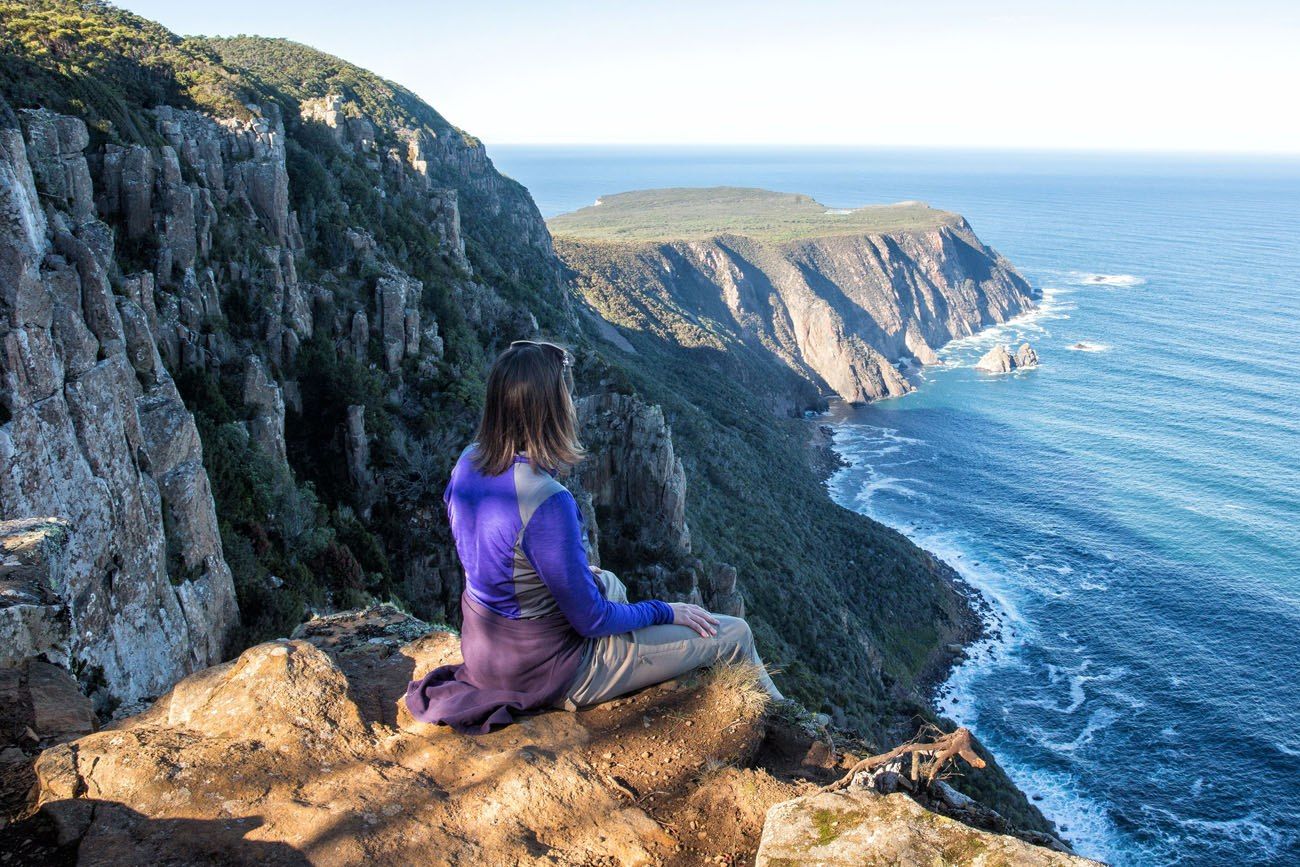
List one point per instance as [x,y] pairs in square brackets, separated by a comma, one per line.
[984,624]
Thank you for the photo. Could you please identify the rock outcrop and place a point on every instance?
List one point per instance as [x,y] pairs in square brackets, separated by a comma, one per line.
[860,826]
[1026,356]
[34,617]
[633,475]
[997,360]
[840,309]
[301,752]
[173,256]
[1000,360]
[634,488]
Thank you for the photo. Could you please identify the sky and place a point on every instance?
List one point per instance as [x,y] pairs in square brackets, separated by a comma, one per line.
[1146,75]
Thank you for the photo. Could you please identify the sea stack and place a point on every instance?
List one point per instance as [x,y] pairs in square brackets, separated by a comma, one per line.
[997,360]
[1000,360]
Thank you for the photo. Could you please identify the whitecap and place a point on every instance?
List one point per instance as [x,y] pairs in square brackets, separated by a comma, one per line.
[1119,281]
[1287,749]
[1085,346]
[1264,840]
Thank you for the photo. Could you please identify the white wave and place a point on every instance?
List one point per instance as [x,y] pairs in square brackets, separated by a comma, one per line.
[1027,327]
[1250,832]
[889,485]
[1119,281]
[1099,720]
[1291,750]
[1083,821]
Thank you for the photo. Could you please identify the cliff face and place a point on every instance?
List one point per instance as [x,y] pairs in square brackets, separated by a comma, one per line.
[235,395]
[94,429]
[841,309]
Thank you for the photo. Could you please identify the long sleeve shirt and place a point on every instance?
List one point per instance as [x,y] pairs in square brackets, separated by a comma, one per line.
[519,536]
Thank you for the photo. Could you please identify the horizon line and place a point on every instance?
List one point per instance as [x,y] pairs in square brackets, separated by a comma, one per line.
[1030,149]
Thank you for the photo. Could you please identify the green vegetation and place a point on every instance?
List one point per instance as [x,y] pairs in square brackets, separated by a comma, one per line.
[107,66]
[692,213]
[830,824]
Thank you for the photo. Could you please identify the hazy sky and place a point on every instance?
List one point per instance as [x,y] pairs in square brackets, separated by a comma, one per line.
[1128,75]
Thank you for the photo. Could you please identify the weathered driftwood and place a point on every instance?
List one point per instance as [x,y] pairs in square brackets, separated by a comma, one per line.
[943,749]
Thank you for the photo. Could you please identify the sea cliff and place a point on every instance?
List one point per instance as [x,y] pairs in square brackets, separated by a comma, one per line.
[841,297]
[248,294]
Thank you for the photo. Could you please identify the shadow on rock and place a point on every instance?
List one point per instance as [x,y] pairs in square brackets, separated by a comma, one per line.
[89,832]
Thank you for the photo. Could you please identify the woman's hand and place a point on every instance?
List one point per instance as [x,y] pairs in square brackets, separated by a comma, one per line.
[694,617]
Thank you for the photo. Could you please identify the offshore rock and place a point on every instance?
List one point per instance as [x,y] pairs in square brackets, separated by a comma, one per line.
[1026,356]
[1000,360]
[997,360]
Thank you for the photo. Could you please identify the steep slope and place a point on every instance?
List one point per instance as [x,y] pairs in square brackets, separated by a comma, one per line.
[245,329]
[249,295]
[838,296]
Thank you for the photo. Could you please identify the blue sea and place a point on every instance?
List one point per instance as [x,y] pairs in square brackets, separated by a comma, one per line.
[1131,508]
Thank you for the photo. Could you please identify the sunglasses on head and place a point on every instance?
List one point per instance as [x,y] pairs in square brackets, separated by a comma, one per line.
[564,353]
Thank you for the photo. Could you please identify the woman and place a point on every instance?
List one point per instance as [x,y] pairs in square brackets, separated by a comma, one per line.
[541,628]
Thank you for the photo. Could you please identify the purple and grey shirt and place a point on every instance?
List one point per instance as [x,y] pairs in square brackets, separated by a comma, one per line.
[530,604]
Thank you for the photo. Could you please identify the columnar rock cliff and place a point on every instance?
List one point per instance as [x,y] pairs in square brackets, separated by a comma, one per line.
[203,339]
[94,429]
[840,298]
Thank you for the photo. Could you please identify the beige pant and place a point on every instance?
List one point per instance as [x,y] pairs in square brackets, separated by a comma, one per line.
[619,664]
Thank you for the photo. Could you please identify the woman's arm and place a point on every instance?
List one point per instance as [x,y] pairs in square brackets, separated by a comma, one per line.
[552,541]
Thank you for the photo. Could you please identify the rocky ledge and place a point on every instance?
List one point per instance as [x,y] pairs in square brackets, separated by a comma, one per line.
[300,752]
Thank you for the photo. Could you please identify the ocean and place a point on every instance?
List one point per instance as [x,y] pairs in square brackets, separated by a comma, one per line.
[1131,508]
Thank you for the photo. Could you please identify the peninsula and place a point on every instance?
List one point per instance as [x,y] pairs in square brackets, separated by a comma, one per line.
[840,296]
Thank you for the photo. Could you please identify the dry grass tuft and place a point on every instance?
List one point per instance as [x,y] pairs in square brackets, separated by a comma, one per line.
[738,683]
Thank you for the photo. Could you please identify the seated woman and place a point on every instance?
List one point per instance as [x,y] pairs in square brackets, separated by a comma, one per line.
[541,628]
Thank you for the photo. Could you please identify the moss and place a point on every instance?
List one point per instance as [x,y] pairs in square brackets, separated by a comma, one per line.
[830,824]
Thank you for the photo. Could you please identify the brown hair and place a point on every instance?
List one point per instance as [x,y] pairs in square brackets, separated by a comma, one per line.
[528,409]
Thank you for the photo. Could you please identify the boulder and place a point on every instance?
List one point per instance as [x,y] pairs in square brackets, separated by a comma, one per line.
[861,826]
[1026,356]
